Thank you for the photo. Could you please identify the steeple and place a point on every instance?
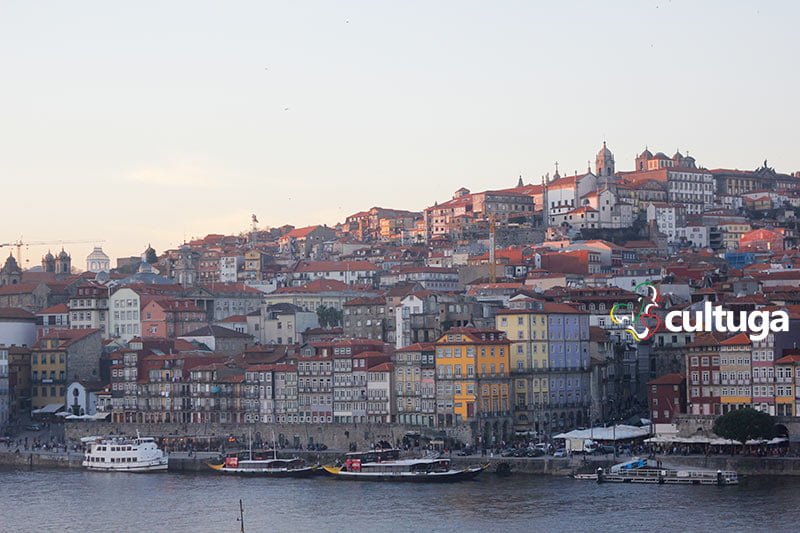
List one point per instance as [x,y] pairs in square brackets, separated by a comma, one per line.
[604,163]
[519,183]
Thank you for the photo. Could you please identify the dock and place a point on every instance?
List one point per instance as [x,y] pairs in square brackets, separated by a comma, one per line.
[641,471]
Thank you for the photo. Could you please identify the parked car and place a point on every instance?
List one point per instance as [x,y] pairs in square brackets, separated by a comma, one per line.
[34,427]
[508,452]
[561,452]
[604,449]
[535,452]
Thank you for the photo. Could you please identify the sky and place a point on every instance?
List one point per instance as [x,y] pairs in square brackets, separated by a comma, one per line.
[158,121]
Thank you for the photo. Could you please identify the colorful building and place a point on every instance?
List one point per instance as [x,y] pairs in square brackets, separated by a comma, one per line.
[472,370]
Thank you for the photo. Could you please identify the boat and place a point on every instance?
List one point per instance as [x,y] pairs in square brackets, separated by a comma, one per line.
[386,465]
[639,470]
[262,463]
[125,454]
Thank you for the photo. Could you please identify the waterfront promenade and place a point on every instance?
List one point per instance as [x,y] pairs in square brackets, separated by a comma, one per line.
[549,466]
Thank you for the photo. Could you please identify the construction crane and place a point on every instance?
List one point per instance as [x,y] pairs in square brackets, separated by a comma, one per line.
[19,243]
[492,258]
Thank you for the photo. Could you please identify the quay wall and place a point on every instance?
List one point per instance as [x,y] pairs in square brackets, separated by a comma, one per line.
[334,436]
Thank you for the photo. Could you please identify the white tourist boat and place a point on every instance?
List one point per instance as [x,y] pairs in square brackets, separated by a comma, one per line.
[125,454]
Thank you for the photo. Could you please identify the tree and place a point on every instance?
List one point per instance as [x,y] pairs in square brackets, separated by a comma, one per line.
[745,424]
[329,317]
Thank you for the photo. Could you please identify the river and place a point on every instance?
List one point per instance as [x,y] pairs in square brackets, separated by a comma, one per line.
[75,500]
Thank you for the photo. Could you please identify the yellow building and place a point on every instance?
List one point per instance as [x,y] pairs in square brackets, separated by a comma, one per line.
[732,232]
[59,358]
[472,370]
[527,332]
[734,370]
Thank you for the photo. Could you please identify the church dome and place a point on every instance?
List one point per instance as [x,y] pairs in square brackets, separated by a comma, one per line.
[49,256]
[605,152]
[63,255]
[97,253]
[647,153]
[11,265]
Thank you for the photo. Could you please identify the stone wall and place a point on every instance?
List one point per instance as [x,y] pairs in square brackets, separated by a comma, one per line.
[335,436]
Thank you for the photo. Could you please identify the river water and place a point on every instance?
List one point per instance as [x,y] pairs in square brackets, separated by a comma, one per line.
[75,500]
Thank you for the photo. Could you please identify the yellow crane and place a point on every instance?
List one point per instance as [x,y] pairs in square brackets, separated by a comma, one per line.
[19,243]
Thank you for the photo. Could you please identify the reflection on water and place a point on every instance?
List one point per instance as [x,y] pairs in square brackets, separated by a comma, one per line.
[74,500]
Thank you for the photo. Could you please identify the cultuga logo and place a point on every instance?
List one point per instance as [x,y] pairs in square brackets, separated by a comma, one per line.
[642,322]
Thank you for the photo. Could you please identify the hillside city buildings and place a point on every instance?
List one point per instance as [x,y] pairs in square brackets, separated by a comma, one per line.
[487,309]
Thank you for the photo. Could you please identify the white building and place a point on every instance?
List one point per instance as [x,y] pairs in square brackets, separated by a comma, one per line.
[380,393]
[124,318]
[82,398]
[98,261]
[696,235]
[691,187]
[668,218]
[17,327]
[229,268]
[88,308]
[349,272]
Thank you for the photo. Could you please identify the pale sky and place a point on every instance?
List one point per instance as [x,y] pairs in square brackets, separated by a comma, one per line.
[153,121]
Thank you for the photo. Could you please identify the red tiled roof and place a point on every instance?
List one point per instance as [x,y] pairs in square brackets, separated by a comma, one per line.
[299,233]
[15,313]
[334,266]
[382,367]
[419,347]
[668,379]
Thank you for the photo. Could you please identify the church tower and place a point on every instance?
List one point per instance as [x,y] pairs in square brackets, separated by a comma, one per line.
[11,273]
[49,263]
[604,163]
[63,263]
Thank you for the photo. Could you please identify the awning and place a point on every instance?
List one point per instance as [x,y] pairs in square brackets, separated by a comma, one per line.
[614,433]
[48,409]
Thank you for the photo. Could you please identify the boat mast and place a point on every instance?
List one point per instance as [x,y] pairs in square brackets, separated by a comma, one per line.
[274,446]
[241,516]
[250,442]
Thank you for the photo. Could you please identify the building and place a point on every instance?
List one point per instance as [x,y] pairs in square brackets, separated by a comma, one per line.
[668,218]
[60,357]
[415,384]
[5,389]
[82,397]
[380,393]
[284,323]
[88,308]
[219,339]
[53,317]
[735,367]
[472,379]
[365,318]
[301,242]
[171,317]
[19,380]
[550,366]
[316,294]
[666,397]
[430,278]
[17,327]
[348,272]
[703,370]
[11,273]
[98,261]
[124,314]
